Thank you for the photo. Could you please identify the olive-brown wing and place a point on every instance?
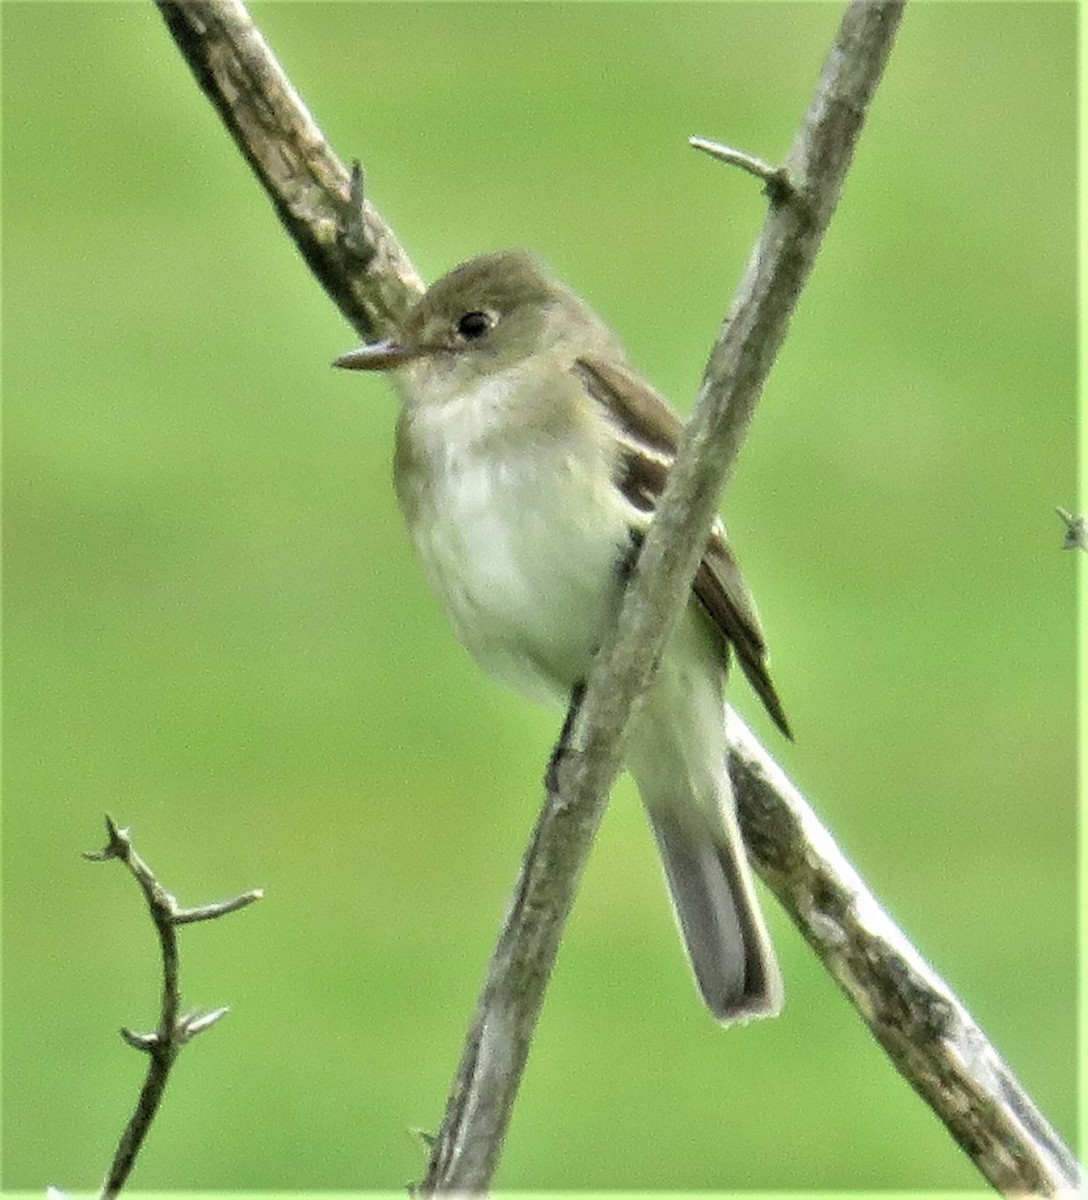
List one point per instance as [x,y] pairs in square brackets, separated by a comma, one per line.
[649,432]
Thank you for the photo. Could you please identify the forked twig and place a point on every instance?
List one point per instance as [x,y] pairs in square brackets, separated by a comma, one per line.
[175,1028]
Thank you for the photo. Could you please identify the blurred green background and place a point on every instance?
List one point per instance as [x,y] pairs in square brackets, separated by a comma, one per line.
[216,630]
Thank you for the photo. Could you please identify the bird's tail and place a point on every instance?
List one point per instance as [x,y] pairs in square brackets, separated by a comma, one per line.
[676,752]
[718,914]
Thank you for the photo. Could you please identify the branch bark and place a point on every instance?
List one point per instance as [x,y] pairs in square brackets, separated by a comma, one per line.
[357,259]
[925,1030]
[368,275]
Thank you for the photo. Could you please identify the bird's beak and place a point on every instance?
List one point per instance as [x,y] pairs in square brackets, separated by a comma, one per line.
[378,356]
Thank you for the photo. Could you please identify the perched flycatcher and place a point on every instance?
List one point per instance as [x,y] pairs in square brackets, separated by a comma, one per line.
[529,459]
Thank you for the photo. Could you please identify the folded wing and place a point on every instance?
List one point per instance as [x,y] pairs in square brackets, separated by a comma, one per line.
[649,433]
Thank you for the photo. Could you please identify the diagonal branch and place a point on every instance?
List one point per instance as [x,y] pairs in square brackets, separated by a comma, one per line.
[357,259]
[922,1025]
[368,276]
[478,1112]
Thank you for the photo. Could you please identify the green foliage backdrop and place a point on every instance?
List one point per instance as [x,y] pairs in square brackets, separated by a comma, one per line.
[215,627]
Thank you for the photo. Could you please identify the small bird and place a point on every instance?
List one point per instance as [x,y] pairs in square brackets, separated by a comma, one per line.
[529,458]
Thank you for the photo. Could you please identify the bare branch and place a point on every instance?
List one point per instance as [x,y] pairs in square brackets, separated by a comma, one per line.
[480,1105]
[367,274]
[924,1028]
[165,1043]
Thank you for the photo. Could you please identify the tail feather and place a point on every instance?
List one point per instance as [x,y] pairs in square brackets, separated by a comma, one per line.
[723,931]
[676,752]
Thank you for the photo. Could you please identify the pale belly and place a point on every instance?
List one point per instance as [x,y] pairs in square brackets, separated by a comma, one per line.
[527,562]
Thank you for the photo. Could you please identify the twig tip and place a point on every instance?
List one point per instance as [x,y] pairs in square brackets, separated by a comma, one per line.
[140,1041]
[776,180]
[1076,530]
[118,843]
[197,1022]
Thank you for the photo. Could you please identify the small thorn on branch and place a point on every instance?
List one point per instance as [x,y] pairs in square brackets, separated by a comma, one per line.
[1076,530]
[425,1138]
[777,185]
[196,1022]
[354,236]
[140,1041]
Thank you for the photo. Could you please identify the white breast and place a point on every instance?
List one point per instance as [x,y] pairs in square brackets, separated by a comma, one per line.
[524,547]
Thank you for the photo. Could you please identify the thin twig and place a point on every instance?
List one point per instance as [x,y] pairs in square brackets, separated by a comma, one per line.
[175,1029]
[481,1103]
[924,1028]
[776,182]
[212,30]
[1076,530]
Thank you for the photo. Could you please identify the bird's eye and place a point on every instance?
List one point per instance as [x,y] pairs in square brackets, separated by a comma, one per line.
[474,325]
